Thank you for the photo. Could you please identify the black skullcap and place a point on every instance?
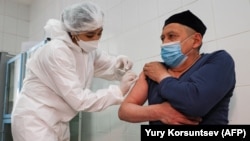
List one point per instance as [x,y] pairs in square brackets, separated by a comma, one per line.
[189,19]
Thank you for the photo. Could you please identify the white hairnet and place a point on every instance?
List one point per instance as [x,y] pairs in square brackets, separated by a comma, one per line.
[85,16]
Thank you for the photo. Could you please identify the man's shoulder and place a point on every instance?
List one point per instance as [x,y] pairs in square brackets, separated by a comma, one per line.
[223,52]
[221,56]
[219,53]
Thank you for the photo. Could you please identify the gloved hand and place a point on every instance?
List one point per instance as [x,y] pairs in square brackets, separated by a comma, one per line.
[123,64]
[128,79]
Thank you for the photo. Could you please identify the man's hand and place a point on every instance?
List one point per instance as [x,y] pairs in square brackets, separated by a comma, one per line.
[155,71]
[169,115]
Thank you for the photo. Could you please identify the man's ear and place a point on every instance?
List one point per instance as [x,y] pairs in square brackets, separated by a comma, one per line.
[197,40]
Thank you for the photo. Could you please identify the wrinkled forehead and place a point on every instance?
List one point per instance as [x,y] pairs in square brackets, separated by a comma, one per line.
[174,28]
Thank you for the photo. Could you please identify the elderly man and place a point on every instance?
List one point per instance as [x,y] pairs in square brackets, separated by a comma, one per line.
[187,87]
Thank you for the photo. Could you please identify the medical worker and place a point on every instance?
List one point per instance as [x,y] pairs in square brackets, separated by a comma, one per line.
[57,85]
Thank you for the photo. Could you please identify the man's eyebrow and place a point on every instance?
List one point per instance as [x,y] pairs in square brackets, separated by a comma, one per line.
[171,32]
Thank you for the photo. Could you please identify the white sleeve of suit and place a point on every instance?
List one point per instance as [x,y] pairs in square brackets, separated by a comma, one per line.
[104,65]
[111,67]
[64,81]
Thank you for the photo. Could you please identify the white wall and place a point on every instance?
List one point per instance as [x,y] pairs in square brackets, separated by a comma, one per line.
[14,25]
[133,28]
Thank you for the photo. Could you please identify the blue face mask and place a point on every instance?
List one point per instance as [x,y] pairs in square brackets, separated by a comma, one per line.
[172,55]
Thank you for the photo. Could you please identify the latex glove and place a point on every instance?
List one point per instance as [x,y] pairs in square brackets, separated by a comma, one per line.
[123,64]
[128,79]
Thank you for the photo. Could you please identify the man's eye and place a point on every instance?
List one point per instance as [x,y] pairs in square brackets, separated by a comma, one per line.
[162,37]
[172,36]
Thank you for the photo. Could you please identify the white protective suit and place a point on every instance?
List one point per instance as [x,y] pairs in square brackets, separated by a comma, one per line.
[57,86]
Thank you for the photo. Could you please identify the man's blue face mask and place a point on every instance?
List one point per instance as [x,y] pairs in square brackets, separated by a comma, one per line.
[172,55]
